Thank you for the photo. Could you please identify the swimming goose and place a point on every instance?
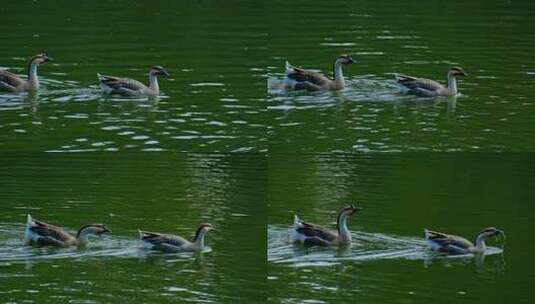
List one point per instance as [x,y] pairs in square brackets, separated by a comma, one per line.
[43,234]
[315,235]
[13,83]
[430,88]
[174,243]
[300,79]
[131,87]
[452,244]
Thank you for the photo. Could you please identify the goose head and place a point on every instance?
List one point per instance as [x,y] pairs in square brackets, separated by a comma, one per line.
[345,59]
[205,227]
[158,71]
[457,71]
[349,210]
[96,229]
[40,58]
[489,232]
[199,234]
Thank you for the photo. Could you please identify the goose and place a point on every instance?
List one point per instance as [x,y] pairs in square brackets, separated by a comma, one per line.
[43,234]
[452,244]
[131,87]
[429,88]
[13,83]
[314,235]
[173,243]
[301,79]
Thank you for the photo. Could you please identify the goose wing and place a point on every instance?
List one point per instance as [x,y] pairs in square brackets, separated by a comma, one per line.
[11,79]
[157,239]
[414,83]
[302,75]
[117,84]
[447,240]
[50,231]
[316,231]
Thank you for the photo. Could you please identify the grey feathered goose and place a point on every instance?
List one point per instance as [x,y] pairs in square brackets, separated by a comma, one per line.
[43,234]
[452,244]
[430,88]
[316,235]
[301,79]
[174,243]
[131,87]
[13,83]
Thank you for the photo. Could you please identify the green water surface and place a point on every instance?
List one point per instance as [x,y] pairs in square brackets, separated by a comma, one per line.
[491,40]
[225,144]
[163,193]
[400,196]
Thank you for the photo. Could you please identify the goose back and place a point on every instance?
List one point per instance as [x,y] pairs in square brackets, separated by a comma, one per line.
[163,242]
[11,80]
[448,243]
[419,83]
[301,75]
[47,234]
[123,86]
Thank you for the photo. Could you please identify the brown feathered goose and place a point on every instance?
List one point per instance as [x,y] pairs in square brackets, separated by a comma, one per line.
[301,79]
[174,243]
[131,87]
[430,88]
[452,244]
[316,235]
[13,83]
[43,234]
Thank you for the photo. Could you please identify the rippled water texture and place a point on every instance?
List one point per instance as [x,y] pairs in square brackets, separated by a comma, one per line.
[213,100]
[490,39]
[156,192]
[400,195]
[365,247]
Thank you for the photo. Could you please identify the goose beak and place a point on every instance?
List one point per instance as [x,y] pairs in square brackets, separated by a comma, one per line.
[106,230]
[351,60]
[165,73]
[464,73]
[355,209]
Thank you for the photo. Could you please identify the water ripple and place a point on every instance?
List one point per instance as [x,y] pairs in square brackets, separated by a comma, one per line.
[366,247]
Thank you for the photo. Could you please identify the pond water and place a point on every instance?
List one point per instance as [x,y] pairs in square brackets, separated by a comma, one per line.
[213,100]
[400,195]
[490,39]
[163,193]
[225,144]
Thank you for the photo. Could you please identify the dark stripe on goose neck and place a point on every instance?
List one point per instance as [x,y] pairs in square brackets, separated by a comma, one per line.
[82,228]
[478,235]
[198,233]
[29,65]
[338,220]
[334,68]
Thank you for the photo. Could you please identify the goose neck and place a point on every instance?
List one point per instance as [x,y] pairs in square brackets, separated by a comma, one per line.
[452,83]
[32,75]
[338,73]
[199,238]
[153,83]
[343,231]
[480,242]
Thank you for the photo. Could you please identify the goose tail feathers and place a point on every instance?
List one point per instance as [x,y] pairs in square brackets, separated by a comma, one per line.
[29,220]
